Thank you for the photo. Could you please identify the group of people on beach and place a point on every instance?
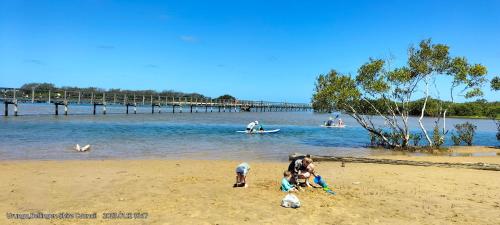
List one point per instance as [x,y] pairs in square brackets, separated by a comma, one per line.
[295,177]
[298,174]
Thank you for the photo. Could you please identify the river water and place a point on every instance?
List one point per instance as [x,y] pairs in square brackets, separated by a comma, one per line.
[36,134]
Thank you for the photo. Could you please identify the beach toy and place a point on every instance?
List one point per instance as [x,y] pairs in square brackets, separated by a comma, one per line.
[319,180]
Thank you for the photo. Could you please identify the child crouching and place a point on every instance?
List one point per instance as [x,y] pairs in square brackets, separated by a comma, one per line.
[241,175]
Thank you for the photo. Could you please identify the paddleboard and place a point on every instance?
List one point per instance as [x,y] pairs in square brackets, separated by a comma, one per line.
[259,132]
[333,126]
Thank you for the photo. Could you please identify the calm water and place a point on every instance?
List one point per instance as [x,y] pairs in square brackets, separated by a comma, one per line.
[184,135]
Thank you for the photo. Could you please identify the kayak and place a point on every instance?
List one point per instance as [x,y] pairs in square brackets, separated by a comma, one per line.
[259,132]
[333,126]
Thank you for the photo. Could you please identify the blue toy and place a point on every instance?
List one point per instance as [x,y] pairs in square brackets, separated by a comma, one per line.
[319,180]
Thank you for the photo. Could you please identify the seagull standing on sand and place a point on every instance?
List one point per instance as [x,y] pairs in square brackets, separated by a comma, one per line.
[82,149]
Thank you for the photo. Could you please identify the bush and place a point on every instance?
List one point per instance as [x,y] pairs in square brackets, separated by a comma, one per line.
[464,133]
[395,138]
[456,139]
[416,138]
[437,138]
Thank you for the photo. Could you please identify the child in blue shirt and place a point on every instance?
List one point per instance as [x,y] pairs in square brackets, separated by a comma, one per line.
[285,182]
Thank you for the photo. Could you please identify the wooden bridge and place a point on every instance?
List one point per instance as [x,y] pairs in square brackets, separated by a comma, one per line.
[66,98]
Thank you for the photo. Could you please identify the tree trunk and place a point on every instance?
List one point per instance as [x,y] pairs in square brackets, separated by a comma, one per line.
[404,144]
[372,129]
[422,114]
[444,122]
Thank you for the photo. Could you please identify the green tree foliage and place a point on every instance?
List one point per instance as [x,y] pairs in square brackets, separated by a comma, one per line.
[43,87]
[378,89]
[495,83]
[480,108]
[226,97]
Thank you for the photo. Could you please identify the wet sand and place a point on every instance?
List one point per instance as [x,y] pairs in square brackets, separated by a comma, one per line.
[456,154]
[201,192]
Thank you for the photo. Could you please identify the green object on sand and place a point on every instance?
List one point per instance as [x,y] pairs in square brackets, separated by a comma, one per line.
[319,180]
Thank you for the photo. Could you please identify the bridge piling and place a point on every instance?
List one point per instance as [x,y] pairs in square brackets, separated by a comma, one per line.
[15,107]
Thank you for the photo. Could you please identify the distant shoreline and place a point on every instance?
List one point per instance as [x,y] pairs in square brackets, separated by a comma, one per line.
[474,117]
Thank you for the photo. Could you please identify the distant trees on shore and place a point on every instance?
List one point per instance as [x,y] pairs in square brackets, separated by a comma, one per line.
[475,109]
[43,88]
[226,97]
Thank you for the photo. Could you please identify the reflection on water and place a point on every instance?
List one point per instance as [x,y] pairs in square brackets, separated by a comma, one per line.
[185,135]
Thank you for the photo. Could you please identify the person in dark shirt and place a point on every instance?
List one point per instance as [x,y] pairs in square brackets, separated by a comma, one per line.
[301,168]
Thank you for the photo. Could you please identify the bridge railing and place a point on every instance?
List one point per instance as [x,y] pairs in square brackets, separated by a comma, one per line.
[63,96]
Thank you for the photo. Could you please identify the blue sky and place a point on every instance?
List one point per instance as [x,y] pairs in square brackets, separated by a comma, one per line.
[258,50]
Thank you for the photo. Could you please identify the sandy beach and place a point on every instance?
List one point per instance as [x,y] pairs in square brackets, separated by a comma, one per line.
[201,192]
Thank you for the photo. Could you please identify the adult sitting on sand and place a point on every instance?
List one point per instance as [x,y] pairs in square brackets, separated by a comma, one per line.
[301,169]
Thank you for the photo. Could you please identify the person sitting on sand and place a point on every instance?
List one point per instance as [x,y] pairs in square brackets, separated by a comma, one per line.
[285,182]
[301,169]
[241,175]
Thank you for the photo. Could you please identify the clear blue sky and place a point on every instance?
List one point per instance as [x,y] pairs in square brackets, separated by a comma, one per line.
[270,50]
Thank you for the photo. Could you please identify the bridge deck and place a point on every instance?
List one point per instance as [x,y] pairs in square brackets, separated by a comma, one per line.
[66,98]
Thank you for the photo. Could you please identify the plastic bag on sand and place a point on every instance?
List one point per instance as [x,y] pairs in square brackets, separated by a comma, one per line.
[290,201]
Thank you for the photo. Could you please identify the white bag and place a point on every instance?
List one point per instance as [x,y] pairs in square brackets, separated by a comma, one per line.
[290,201]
